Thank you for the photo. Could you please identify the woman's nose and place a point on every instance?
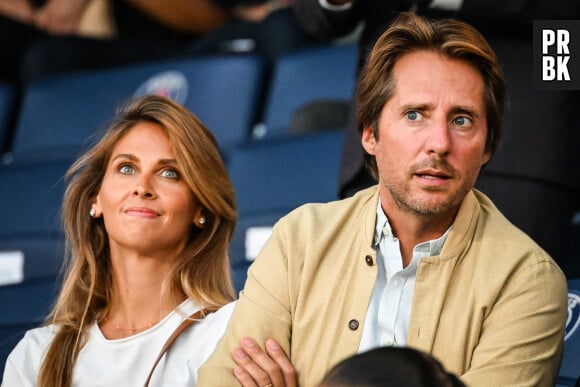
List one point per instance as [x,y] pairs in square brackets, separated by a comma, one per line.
[144,188]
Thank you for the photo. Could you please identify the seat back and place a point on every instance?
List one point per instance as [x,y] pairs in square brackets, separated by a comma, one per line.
[60,113]
[24,306]
[271,178]
[31,236]
[30,200]
[321,73]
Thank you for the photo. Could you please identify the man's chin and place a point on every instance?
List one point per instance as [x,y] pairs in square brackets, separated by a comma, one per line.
[435,203]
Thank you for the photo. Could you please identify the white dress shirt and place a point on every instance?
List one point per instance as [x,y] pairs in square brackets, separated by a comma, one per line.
[389,310]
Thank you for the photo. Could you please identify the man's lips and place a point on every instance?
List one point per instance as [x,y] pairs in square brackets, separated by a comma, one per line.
[433,174]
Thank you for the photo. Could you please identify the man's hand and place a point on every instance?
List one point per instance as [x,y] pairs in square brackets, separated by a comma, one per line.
[256,368]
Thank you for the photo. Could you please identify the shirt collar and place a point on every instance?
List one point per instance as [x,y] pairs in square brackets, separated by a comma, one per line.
[383,228]
[382,223]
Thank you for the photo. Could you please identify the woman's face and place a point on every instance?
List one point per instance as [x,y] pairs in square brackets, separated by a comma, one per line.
[146,206]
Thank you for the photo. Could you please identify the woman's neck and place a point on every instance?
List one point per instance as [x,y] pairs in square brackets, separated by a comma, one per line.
[141,296]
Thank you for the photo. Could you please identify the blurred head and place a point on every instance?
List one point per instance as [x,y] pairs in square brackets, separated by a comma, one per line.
[450,38]
[390,367]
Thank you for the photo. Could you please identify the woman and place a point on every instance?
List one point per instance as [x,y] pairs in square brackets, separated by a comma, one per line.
[148,215]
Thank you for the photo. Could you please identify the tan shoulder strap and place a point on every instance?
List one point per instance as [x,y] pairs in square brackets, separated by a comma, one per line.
[195,317]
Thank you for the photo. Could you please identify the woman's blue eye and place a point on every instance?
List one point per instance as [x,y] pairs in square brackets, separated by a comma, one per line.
[126,169]
[170,173]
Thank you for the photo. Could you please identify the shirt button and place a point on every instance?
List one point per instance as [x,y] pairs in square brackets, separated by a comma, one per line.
[386,231]
[389,343]
[353,325]
[369,260]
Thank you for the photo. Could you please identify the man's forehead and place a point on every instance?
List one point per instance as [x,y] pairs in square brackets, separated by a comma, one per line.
[428,78]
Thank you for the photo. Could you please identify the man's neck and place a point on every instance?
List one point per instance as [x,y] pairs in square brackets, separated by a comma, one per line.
[412,228]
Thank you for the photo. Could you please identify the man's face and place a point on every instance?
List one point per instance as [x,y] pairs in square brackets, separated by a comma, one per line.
[431,135]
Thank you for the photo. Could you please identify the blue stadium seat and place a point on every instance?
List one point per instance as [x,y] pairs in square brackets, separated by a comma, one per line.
[570,369]
[30,199]
[60,113]
[40,257]
[274,176]
[325,72]
[31,246]
[28,304]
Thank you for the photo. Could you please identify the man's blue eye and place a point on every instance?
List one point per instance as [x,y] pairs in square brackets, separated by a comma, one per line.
[413,115]
[462,121]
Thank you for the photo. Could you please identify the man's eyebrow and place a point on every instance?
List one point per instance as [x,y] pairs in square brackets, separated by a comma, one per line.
[416,106]
[465,110]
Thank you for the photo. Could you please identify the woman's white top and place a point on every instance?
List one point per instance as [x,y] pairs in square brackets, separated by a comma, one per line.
[128,361]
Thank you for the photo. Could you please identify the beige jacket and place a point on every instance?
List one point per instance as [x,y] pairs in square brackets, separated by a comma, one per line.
[492,307]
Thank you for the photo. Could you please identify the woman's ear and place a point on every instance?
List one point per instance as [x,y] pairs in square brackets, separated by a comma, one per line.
[198,218]
[95,210]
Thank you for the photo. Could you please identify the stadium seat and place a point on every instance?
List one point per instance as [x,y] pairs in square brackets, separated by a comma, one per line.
[28,304]
[271,178]
[30,199]
[31,246]
[31,237]
[570,369]
[321,73]
[60,113]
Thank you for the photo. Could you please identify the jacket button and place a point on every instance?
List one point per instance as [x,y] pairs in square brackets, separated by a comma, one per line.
[353,325]
[369,260]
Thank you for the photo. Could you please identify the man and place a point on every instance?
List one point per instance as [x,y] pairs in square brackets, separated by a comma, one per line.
[537,165]
[421,260]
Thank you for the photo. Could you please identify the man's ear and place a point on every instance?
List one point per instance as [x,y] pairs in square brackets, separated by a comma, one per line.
[485,157]
[368,140]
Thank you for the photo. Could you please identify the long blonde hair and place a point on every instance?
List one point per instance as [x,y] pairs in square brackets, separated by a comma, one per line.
[202,273]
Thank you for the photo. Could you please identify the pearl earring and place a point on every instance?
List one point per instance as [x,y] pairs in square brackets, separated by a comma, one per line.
[92,212]
[201,220]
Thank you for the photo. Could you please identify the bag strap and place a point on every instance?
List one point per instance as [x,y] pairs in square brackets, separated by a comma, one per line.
[193,318]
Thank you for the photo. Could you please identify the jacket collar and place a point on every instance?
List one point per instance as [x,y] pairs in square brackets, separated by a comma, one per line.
[460,234]
[463,226]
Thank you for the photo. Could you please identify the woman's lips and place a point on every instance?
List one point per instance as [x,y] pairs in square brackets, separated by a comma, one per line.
[142,212]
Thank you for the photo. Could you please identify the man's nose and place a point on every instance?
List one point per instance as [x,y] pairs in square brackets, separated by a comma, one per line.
[438,137]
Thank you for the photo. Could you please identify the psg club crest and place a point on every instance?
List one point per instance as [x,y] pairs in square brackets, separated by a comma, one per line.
[573,321]
[170,84]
